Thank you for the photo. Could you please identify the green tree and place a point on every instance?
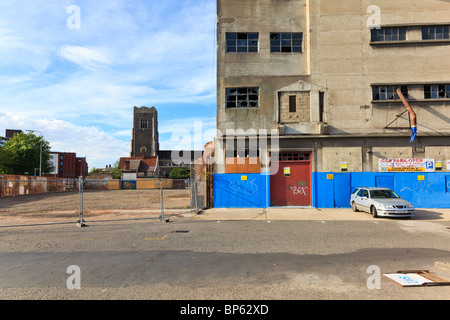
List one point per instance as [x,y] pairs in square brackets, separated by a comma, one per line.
[94,170]
[180,173]
[116,172]
[22,155]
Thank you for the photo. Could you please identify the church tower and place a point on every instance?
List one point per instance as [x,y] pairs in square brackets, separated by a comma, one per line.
[144,137]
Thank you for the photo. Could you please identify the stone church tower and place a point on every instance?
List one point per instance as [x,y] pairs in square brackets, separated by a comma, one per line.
[144,137]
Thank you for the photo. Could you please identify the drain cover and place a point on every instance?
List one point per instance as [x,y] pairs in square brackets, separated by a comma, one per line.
[180,231]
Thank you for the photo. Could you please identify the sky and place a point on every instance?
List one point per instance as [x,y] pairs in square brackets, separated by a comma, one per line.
[72,70]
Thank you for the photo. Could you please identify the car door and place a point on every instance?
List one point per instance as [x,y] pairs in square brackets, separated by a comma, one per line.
[362,200]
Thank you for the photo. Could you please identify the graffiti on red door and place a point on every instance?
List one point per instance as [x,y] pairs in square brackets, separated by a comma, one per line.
[299,190]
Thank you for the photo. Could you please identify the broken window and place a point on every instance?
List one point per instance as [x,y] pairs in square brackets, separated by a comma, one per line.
[286,42]
[436,33]
[381,93]
[388,34]
[437,91]
[242,97]
[242,42]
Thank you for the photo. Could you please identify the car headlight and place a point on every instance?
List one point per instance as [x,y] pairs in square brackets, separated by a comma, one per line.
[386,206]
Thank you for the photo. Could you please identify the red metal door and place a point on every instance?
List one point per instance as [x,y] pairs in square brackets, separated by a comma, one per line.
[291,185]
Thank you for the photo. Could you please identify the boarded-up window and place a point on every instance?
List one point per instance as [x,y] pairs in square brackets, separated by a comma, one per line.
[295,107]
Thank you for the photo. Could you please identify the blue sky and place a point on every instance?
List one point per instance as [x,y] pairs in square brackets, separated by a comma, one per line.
[78,83]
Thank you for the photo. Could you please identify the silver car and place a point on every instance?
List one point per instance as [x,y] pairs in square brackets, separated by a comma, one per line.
[380,202]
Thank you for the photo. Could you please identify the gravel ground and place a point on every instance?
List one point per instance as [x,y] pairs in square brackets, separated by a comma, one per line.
[94,202]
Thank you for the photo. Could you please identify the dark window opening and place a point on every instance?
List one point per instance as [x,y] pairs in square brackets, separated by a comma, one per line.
[380,93]
[321,106]
[436,33]
[388,34]
[242,42]
[438,91]
[292,103]
[294,156]
[143,123]
[286,42]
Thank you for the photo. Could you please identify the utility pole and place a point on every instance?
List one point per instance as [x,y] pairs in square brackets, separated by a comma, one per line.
[40,153]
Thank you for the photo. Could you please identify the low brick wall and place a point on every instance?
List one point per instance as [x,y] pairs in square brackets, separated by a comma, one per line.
[15,185]
[18,185]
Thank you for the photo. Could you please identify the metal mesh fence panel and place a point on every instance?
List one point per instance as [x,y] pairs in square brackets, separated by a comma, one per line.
[90,199]
[38,197]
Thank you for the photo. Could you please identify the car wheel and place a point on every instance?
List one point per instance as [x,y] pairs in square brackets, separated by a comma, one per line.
[373,210]
[354,208]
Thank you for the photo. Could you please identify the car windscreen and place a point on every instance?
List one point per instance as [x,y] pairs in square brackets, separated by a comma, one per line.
[383,194]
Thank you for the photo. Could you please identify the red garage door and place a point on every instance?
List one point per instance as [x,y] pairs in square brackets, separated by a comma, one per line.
[291,185]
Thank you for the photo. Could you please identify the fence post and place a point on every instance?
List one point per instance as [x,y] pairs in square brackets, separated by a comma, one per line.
[80,202]
[195,195]
[161,217]
[190,194]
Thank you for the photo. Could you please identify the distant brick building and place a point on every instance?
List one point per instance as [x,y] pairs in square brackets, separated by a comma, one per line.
[68,165]
[139,167]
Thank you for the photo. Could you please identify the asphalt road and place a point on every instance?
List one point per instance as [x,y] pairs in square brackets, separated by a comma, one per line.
[217,260]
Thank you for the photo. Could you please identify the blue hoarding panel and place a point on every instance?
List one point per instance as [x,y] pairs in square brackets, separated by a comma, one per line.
[332,190]
[423,190]
[241,191]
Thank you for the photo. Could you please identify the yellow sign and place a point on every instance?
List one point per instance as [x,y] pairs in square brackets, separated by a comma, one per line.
[330,176]
[244,178]
[421,178]
[400,169]
[287,171]
[344,166]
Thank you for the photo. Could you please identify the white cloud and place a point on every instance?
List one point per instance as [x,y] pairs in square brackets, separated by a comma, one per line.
[127,53]
[91,59]
[187,133]
[99,147]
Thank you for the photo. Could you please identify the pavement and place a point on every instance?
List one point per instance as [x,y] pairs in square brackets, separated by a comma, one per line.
[287,213]
[218,214]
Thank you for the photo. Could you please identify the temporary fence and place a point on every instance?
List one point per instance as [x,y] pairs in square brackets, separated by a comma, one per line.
[149,198]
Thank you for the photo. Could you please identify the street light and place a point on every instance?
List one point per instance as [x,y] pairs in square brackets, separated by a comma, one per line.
[40,154]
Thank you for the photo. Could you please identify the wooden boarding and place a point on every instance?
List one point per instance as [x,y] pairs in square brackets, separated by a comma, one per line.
[416,278]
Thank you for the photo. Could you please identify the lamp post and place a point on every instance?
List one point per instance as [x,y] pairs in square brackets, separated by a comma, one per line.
[40,153]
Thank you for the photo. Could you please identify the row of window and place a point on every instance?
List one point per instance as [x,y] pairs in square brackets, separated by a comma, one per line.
[248,97]
[435,91]
[399,33]
[249,42]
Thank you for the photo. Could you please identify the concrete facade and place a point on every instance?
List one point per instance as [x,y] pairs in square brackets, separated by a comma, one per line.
[335,98]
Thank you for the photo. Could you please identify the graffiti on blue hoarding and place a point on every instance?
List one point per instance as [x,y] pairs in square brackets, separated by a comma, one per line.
[420,186]
[124,185]
[248,187]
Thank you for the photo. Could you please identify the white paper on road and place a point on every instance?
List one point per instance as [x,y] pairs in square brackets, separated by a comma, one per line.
[408,279]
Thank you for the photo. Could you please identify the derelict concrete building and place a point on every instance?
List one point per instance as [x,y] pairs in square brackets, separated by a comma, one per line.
[323,75]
